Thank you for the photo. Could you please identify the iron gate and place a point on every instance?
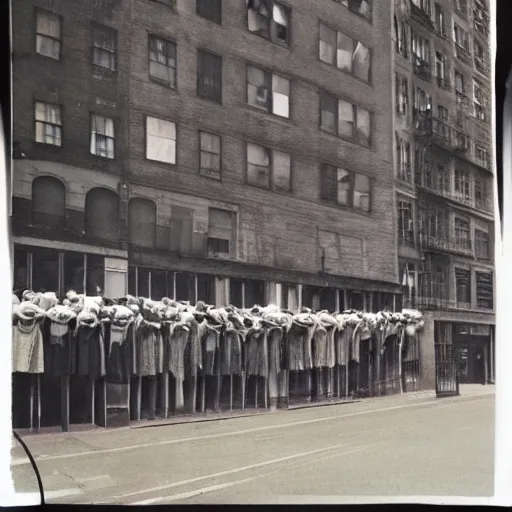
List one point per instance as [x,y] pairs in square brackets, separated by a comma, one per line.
[447,382]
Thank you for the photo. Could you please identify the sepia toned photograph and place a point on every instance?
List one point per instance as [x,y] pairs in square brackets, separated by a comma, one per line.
[252,250]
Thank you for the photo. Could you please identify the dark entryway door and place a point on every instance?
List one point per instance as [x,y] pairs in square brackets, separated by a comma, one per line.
[470,357]
[447,382]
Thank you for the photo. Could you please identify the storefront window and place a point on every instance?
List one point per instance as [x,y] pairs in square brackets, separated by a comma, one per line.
[185,287]
[45,270]
[143,282]
[132,280]
[95,274]
[356,301]
[74,272]
[235,292]
[254,293]
[159,284]
[328,299]
[20,278]
[206,288]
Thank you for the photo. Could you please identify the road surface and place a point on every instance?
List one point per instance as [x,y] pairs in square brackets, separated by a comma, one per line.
[406,445]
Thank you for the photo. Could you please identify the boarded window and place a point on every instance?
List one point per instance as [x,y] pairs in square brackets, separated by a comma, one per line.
[182,220]
[209,76]
[142,222]
[48,202]
[160,140]
[102,214]
[48,34]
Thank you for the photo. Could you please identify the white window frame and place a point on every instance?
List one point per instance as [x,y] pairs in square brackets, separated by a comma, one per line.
[209,171]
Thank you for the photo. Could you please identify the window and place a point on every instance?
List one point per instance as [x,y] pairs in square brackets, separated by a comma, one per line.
[210,10]
[420,48]
[481,156]
[209,76]
[462,233]
[102,214]
[344,52]
[461,6]
[463,286]
[345,119]
[441,70]
[462,184]
[210,155]
[439,19]
[479,57]
[181,229]
[268,168]
[401,38]
[484,290]
[345,187]
[402,94]
[48,124]
[460,88]
[269,19]
[48,36]
[102,136]
[421,100]
[160,140]
[104,47]
[460,37]
[48,202]
[268,91]
[480,194]
[220,231]
[361,7]
[442,179]
[403,150]
[162,60]
[405,222]
[142,222]
[481,245]
[479,102]
[442,112]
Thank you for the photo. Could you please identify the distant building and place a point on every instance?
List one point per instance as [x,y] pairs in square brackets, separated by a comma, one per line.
[444,173]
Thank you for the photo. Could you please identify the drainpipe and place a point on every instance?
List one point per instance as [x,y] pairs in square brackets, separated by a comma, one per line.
[400,351]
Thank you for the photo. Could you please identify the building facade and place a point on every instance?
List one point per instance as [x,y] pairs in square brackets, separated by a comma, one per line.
[444,173]
[235,154]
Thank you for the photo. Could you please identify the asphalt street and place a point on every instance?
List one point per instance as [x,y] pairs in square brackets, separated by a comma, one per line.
[406,445]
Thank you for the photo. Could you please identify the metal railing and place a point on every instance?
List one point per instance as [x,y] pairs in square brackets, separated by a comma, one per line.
[453,244]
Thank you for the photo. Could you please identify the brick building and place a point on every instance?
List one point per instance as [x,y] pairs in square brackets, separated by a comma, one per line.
[443,173]
[236,153]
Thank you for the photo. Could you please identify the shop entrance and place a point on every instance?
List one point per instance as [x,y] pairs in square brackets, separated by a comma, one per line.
[472,353]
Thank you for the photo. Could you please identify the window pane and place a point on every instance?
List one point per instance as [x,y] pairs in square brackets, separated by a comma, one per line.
[328,108]
[345,51]
[327,44]
[47,47]
[280,96]
[346,119]
[258,166]
[362,60]
[258,82]
[210,143]
[48,24]
[73,272]
[344,186]
[363,126]
[362,192]
[45,270]
[281,170]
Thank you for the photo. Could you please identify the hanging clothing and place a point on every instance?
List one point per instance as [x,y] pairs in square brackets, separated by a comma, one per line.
[256,356]
[119,353]
[356,344]
[90,351]
[27,348]
[149,348]
[231,351]
[319,347]
[210,344]
[275,337]
[343,345]
[177,339]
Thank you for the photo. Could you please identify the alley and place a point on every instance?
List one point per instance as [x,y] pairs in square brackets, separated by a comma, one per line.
[406,445]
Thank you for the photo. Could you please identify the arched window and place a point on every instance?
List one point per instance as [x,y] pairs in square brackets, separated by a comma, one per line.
[142,222]
[48,202]
[102,214]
